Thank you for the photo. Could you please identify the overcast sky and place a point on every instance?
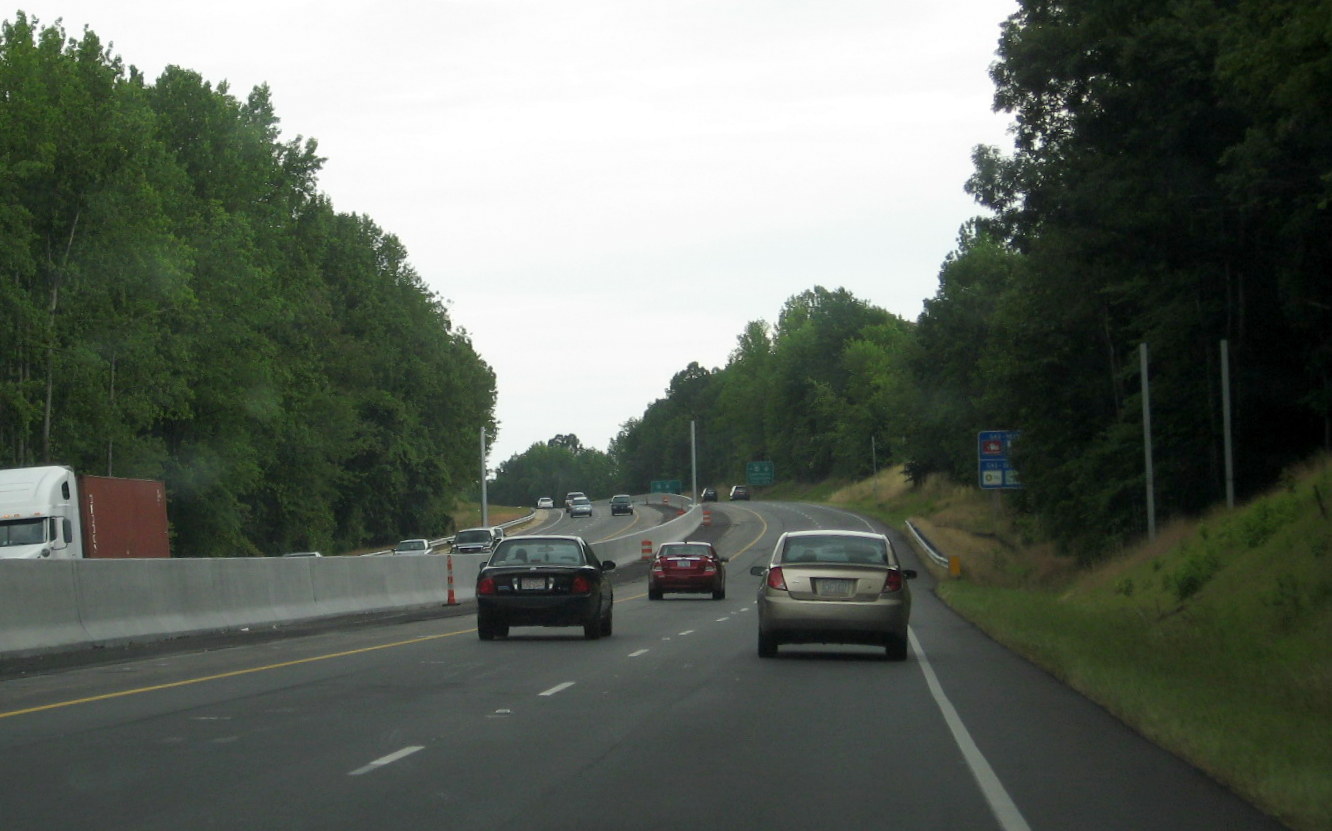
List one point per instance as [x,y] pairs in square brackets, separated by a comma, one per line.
[606,190]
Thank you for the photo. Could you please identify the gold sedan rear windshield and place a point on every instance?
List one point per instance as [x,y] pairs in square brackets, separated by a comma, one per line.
[834,549]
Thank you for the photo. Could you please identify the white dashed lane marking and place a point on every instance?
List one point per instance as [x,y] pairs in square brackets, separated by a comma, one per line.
[387,760]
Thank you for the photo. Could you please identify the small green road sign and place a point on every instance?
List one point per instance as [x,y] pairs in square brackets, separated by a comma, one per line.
[666,486]
[759,473]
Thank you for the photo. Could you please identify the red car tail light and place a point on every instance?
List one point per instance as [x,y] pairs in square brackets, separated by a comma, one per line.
[893,582]
[486,586]
[775,579]
[580,585]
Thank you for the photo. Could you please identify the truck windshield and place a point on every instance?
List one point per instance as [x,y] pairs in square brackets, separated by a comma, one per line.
[23,532]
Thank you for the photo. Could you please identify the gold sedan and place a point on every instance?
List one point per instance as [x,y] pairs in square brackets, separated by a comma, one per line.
[834,587]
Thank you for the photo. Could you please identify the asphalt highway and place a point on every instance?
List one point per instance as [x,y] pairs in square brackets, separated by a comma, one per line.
[673,722]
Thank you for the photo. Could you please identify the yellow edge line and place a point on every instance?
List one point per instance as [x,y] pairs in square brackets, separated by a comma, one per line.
[754,541]
[231,674]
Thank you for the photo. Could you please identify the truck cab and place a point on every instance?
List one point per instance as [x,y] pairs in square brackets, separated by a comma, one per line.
[38,514]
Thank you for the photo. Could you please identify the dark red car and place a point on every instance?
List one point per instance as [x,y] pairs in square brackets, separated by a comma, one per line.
[692,567]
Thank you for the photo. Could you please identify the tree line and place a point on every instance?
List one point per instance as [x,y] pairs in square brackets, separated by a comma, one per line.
[181,302]
[1169,184]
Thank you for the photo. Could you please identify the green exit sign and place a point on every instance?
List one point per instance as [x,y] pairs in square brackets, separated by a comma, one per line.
[759,473]
[666,486]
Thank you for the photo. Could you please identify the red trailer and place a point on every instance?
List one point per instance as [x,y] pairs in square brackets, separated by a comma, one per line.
[123,518]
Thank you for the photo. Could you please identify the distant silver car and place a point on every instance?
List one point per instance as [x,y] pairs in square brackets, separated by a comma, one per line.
[545,502]
[834,587]
[580,506]
[413,547]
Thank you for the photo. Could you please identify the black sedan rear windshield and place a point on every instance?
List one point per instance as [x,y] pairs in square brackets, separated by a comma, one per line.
[555,552]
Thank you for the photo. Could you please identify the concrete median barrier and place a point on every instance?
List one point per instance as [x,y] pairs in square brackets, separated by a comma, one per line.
[37,606]
[53,606]
[629,548]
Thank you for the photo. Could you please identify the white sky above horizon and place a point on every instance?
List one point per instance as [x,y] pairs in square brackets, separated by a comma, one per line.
[606,190]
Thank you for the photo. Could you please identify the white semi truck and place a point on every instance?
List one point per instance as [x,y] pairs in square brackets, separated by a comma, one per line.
[53,513]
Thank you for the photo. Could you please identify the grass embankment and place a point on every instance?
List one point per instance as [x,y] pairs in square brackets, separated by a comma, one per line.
[469,515]
[1214,640]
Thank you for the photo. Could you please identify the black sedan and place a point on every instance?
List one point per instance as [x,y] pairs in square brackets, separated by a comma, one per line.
[621,503]
[544,581]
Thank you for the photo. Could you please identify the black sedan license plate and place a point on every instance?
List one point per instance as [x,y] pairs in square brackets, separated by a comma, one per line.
[530,584]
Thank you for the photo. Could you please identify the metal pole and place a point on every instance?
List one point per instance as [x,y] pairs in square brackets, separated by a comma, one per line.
[1147,442]
[485,509]
[874,468]
[1225,420]
[693,456]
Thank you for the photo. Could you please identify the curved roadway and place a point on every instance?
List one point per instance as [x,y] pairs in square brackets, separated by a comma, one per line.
[673,722]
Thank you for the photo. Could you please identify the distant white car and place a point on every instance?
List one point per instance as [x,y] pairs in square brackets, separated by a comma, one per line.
[545,502]
[412,547]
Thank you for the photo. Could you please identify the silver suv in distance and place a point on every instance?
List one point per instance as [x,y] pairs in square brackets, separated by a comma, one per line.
[476,540]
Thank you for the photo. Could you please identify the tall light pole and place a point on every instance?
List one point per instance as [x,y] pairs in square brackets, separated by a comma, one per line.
[485,509]
[874,470]
[693,458]
[1147,442]
[1225,420]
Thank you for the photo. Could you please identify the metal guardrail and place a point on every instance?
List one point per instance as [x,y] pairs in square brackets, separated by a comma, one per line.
[449,539]
[647,498]
[934,553]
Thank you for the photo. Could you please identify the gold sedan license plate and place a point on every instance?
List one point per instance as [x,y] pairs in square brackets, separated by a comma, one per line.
[834,586]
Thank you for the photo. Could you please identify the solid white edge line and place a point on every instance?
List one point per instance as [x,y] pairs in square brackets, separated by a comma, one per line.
[387,760]
[1005,810]
[557,688]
